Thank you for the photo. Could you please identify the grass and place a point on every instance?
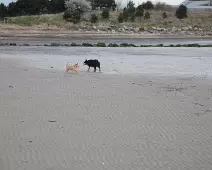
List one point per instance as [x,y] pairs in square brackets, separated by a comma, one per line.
[49,19]
[203,20]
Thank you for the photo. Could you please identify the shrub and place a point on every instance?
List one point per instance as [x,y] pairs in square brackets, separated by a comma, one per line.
[75,8]
[55,44]
[94,18]
[131,7]
[113,45]
[105,13]
[181,12]
[72,16]
[139,11]
[146,15]
[87,44]
[125,15]
[101,44]
[132,18]
[80,5]
[147,5]
[74,44]
[121,18]
[164,15]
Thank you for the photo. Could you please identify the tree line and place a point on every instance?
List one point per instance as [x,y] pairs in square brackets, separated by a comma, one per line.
[37,7]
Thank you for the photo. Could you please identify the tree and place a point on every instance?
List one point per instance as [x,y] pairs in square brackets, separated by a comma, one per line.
[56,6]
[125,14]
[103,4]
[105,13]
[146,15]
[164,15]
[148,5]
[80,5]
[120,18]
[139,11]
[181,12]
[11,9]
[94,18]
[75,8]
[129,11]
[3,11]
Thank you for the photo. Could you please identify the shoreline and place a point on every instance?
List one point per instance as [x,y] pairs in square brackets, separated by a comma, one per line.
[81,35]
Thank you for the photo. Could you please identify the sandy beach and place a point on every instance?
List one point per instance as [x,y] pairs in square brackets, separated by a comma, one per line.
[52,120]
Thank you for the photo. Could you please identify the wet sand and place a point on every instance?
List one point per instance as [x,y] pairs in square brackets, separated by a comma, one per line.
[106,38]
[52,120]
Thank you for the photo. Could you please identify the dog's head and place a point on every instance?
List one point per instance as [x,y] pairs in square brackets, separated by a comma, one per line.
[76,65]
[85,62]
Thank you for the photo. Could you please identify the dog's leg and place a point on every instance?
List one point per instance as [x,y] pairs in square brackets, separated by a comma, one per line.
[94,69]
[99,69]
[88,69]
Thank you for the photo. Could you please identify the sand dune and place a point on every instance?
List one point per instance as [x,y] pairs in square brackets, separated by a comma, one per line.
[52,120]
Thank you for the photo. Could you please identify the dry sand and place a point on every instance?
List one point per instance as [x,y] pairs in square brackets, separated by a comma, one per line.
[51,120]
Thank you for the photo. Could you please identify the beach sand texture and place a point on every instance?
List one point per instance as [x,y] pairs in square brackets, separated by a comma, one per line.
[52,120]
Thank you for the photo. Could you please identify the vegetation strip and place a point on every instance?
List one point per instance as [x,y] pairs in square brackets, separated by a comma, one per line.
[100,44]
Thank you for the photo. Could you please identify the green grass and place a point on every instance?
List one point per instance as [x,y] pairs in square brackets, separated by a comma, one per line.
[51,19]
[203,20]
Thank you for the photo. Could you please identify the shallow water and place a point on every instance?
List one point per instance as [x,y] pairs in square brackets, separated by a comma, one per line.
[156,61]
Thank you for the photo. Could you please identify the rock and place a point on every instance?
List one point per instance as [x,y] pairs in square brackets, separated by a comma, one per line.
[145,29]
[13,44]
[113,26]
[190,28]
[195,28]
[121,30]
[109,28]
[94,27]
[136,30]
[185,28]
[174,29]
[125,28]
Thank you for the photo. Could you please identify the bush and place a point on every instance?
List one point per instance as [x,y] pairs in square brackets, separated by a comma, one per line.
[87,45]
[147,5]
[164,15]
[105,13]
[78,5]
[121,18]
[146,15]
[113,45]
[72,16]
[132,18]
[75,9]
[181,12]
[55,44]
[94,18]
[125,15]
[139,11]
[101,44]
[131,7]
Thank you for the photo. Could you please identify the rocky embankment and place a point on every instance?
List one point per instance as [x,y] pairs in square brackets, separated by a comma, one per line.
[189,30]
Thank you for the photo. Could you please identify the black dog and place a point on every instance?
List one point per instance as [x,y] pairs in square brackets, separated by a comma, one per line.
[92,63]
